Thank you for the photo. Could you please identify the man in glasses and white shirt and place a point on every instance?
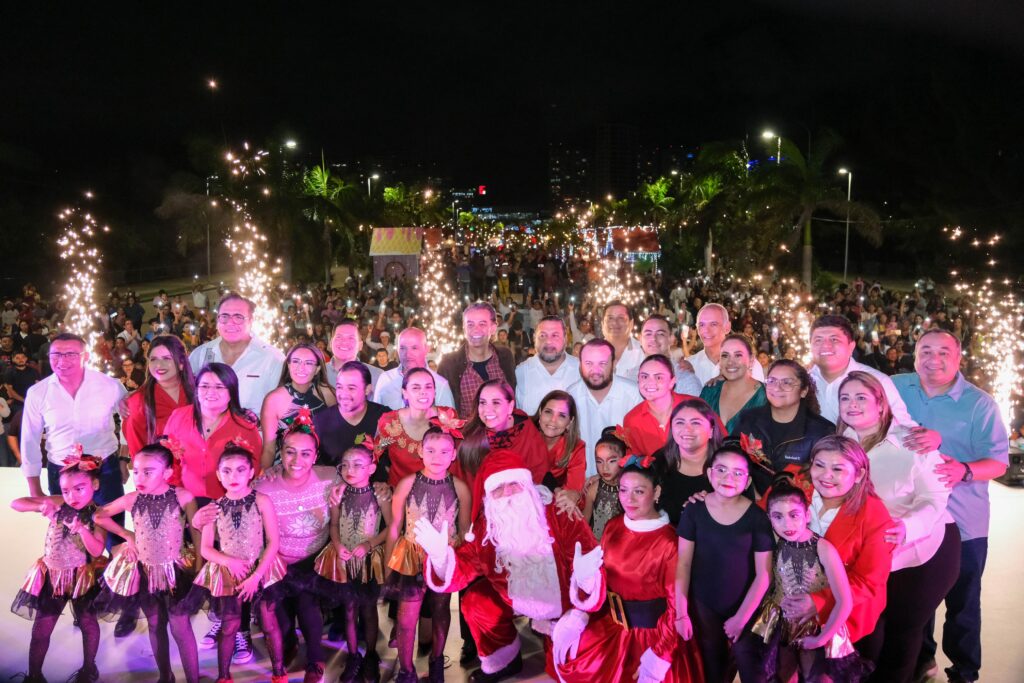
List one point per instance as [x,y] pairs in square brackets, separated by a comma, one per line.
[257,363]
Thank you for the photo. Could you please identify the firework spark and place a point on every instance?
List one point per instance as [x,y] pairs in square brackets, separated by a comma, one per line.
[78,249]
[438,303]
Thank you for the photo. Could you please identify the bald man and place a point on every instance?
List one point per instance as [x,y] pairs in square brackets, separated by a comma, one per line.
[412,353]
[713,325]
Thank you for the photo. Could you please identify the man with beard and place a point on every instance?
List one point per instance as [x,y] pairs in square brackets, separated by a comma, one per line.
[602,397]
[617,328]
[656,337]
[551,368]
[713,325]
[412,353]
[354,417]
[476,360]
[529,558]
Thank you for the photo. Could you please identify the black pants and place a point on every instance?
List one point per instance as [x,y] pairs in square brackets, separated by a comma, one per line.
[912,595]
[961,632]
[722,659]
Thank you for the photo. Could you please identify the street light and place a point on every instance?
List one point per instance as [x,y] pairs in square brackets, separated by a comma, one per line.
[375,176]
[849,193]
[768,135]
[291,144]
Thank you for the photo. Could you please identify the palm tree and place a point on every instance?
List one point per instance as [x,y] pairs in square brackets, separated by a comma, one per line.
[793,191]
[329,209]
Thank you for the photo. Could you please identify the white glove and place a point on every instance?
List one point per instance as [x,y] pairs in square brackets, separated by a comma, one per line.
[652,668]
[565,638]
[586,566]
[433,542]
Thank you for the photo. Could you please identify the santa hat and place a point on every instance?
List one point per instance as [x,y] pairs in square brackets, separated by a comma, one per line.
[499,467]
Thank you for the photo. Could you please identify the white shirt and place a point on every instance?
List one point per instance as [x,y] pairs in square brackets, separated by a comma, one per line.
[821,521]
[534,382]
[388,390]
[707,370]
[828,393]
[913,493]
[629,362]
[622,397]
[375,373]
[88,419]
[258,369]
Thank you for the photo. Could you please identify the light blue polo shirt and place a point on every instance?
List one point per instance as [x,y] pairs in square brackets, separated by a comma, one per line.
[972,429]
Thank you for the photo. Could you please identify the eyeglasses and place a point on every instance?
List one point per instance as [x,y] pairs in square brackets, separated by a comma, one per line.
[236,318]
[56,356]
[786,384]
[299,363]
[207,388]
[723,471]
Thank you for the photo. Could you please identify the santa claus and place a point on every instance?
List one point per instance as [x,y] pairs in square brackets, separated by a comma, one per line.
[535,562]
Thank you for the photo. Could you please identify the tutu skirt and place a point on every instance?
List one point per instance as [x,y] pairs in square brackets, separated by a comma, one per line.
[128,586]
[214,589]
[47,590]
[357,580]
[406,579]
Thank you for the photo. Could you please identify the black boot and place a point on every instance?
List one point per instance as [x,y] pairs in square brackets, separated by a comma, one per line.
[371,668]
[468,654]
[353,668]
[406,677]
[510,669]
[436,672]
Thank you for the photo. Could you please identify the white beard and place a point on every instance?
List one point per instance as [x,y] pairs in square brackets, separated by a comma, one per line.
[518,529]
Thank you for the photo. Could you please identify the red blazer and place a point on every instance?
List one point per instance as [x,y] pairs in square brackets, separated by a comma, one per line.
[860,541]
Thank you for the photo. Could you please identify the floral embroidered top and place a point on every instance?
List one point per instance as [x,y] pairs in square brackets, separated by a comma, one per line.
[303,515]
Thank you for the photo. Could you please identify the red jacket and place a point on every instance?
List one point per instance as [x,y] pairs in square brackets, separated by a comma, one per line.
[860,541]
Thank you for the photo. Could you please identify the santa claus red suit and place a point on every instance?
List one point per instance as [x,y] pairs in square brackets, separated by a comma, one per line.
[530,558]
[633,637]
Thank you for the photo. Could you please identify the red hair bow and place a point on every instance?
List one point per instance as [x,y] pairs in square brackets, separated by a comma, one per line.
[241,442]
[172,444]
[84,463]
[643,461]
[622,435]
[448,424]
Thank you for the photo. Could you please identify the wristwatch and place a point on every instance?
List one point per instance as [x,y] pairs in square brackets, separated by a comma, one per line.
[968,474]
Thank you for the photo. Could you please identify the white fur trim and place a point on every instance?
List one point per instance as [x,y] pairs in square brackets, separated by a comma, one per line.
[449,572]
[594,596]
[543,626]
[652,666]
[544,493]
[500,658]
[519,474]
[642,525]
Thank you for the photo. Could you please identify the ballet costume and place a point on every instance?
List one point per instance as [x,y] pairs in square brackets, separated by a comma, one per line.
[606,507]
[357,579]
[240,534]
[163,572]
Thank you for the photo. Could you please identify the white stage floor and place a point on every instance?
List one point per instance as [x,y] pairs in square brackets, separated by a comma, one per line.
[130,660]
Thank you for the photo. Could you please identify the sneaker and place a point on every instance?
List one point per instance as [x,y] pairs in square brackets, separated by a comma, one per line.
[314,673]
[209,641]
[353,668]
[243,648]
[85,675]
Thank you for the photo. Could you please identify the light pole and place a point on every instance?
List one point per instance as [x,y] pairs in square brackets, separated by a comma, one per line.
[768,135]
[375,176]
[849,193]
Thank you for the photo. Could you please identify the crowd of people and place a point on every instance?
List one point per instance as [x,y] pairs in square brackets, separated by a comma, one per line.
[663,488]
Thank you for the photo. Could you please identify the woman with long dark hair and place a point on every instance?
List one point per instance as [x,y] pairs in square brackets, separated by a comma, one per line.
[169,385]
[303,384]
[780,435]
[695,432]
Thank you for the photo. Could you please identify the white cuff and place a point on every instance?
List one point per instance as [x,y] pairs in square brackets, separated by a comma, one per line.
[545,494]
[448,572]
[652,666]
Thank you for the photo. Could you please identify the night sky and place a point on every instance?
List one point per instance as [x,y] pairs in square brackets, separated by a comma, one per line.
[926,96]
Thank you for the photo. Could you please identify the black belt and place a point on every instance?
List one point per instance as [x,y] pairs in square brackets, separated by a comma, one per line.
[636,613]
